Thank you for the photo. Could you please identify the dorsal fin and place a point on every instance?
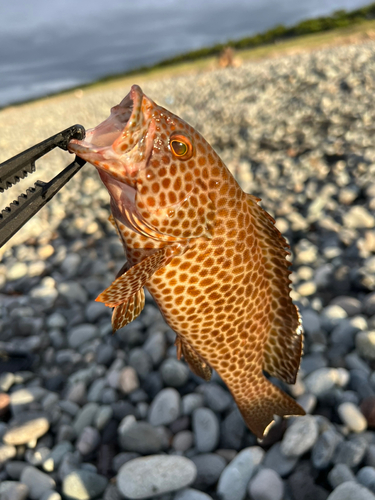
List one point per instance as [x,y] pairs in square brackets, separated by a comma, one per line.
[283,348]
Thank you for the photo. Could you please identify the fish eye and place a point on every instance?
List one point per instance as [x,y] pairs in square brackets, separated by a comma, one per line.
[181,146]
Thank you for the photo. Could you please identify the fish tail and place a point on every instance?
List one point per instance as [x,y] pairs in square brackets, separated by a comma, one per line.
[263,402]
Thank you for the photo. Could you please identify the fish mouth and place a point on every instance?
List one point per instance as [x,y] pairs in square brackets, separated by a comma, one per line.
[117,145]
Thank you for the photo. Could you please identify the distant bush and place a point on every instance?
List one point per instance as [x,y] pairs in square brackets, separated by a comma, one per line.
[339,19]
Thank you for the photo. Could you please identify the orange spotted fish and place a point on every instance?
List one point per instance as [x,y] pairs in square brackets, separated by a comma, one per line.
[207,252]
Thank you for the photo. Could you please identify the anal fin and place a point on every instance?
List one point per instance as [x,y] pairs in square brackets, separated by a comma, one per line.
[127,311]
[196,363]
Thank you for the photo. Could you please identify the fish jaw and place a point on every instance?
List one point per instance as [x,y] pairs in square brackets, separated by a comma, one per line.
[121,144]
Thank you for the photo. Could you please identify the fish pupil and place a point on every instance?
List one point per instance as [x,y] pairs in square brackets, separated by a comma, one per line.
[179,148]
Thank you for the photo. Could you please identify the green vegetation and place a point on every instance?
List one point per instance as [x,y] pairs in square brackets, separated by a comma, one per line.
[339,19]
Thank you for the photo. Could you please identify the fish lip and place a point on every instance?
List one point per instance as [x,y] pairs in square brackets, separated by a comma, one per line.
[99,140]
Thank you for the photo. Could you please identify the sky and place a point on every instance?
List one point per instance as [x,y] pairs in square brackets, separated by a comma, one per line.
[49,45]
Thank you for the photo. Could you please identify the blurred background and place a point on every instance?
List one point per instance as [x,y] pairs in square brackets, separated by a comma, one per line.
[49,46]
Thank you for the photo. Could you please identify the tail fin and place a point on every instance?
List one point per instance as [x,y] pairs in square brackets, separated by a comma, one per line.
[259,408]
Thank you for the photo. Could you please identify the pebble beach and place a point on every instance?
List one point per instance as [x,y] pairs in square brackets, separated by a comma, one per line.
[91,415]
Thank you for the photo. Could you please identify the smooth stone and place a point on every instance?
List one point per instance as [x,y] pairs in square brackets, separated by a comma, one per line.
[38,482]
[174,373]
[350,452]
[351,490]
[88,440]
[104,353]
[300,436]
[209,468]
[128,380]
[191,402]
[53,460]
[141,361]
[154,475]
[233,430]
[183,441]
[14,468]
[7,452]
[95,310]
[73,292]
[266,485]
[366,476]
[103,416]
[357,217]
[50,495]
[83,485]
[236,475]
[165,408]
[140,437]
[324,448]
[112,493]
[156,346]
[78,335]
[321,381]
[311,322]
[17,491]
[6,381]
[95,392]
[280,463]
[216,397]
[352,417]
[340,473]
[191,494]
[365,344]
[85,417]
[206,430]
[351,305]
[25,428]
[121,459]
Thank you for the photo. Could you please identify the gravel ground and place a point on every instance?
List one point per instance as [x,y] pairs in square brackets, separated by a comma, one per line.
[91,415]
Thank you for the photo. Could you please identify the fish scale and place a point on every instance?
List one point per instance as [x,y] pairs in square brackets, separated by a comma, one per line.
[210,256]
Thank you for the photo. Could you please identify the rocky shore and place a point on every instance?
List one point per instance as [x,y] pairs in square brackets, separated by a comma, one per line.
[85,414]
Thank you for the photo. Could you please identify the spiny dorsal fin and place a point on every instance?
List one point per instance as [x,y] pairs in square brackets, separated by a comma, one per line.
[126,312]
[283,349]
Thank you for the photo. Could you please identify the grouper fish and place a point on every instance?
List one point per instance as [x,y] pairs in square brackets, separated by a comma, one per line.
[209,255]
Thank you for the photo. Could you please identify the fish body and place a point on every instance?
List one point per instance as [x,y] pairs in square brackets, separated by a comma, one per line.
[209,255]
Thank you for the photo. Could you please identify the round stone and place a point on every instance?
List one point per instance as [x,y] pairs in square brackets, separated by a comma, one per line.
[209,467]
[300,436]
[340,473]
[83,485]
[352,417]
[206,430]
[236,475]
[149,476]
[366,476]
[25,428]
[365,344]
[351,490]
[174,373]
[128,380]
[191,494]
[266,485]
[165,408]
[38,482]
[140,437]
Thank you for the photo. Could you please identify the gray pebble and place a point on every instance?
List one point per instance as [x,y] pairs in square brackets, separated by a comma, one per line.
[321,381]
[69,407]
[140,360]
[54,458]
[350,452]
[103,416]
[366,476]
[277,461]
[165,408]
[6,381]
[85,417]
[209,468]
[73,292]
[351,490]
[14,468]
[17,491]
[351,305]
[83,485]
[233,430]
[81,334]
[300,436]
[206,430]
[148,476]
[174,373]
[191,402]
[340,473]
[183,440]
[95,310]
[155,346]
[104,354]
[216,397]
[191,494]
[365,344]
[88,440]
[121,459]
[56,320]
[266,485]
[7,452]
[38,482]
[140,437]
[236,476]
[50,495]
[324,448]
[95,392]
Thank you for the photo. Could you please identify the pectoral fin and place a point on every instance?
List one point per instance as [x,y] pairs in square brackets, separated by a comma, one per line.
[196,364]
[135,278]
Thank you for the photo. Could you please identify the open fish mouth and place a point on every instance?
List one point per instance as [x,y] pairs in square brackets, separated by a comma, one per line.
[108,145]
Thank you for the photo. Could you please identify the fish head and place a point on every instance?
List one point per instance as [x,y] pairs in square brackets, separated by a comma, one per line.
[157,168]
